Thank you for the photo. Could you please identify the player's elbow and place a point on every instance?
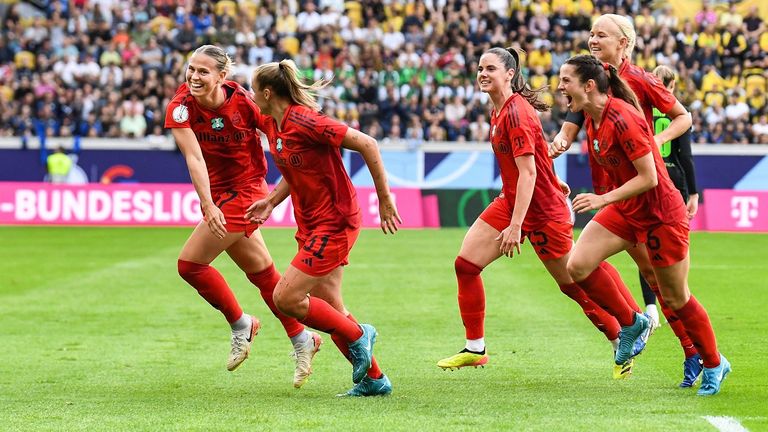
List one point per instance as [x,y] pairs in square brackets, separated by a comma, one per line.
[652,181]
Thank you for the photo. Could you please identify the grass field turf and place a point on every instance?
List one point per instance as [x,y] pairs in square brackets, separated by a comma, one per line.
[98,332]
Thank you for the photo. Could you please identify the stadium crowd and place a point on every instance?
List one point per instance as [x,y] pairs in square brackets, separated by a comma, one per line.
[401,70]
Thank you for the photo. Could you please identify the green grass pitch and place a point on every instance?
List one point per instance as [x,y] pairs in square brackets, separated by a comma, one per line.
[98,332]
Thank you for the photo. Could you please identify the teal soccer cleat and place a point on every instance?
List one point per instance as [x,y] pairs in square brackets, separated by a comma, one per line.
[712,378]
[361,352]
[628,336]
[640,343]
[370,387]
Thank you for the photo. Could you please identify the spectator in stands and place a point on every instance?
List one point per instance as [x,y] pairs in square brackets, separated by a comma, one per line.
[754,26]
[760,130]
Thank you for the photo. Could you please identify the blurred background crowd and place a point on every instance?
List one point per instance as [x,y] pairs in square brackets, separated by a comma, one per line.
[400,69]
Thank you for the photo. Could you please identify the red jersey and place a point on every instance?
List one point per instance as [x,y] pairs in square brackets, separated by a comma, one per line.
[650,93]
[649,90]
[306,151]
[623,137]
[230,144]
[516,131]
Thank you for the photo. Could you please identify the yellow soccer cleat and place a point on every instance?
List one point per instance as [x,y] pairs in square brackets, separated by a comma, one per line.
[463,359]
[624,370]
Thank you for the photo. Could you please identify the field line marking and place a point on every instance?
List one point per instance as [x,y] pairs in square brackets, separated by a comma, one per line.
[725,424]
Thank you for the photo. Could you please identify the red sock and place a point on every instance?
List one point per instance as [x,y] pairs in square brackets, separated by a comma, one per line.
[674,322]
[266,280]
[471,298]
[374,371]
[322,316]
[616,277]
[211,286]
[699,329]
[600,287]
[599,317]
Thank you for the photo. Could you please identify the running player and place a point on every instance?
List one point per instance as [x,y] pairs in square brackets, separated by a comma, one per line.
[641,204]
[612,41]
[305,145]
[214,124]
[532,204]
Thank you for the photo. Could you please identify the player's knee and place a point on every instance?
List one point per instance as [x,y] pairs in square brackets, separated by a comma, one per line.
[578,270]
[286,302]
[464,267]
[189,270]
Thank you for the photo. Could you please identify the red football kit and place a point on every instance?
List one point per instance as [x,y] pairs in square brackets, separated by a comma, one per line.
[650,93]
[516,131]
[231,148]
[656,217]
[306,150]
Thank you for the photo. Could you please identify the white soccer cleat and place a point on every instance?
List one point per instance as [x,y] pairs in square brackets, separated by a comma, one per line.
[303,355]
[241,345]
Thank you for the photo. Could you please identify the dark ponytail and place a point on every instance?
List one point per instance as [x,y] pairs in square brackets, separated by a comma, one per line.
[511,59]
[605,76]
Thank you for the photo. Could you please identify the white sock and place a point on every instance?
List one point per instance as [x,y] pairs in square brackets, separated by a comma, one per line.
[615,344]
[651,310]
[477,345]
[243,324]
[300,338]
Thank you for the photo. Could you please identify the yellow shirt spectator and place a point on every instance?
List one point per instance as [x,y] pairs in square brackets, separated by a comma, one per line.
[708,39]
[540,57]
[714,97]
[567,6]
[540,6]
[227,7]
[710,80]
[24,60]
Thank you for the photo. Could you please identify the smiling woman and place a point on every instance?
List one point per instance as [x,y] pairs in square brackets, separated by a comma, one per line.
[532,204]
[640,205]
[214,123]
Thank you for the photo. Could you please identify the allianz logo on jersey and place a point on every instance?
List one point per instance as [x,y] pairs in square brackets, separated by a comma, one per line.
[745,210]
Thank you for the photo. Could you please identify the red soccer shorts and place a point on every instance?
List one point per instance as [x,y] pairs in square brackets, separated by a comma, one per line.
[321,252]
[666,244]
[551,240]
[234,203]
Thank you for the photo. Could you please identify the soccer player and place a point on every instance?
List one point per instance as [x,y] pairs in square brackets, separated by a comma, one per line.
[214,124]
[641,205]
[679,162]
[612,41]
[532,204]
[305,145]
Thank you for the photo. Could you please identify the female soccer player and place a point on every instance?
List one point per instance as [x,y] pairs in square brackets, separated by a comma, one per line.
[641,205]
[213,121]
[612,41]
[305,145]
[679,163]
[532,205]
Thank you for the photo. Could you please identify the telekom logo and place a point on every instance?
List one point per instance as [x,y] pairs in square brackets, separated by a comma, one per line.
[744,210]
